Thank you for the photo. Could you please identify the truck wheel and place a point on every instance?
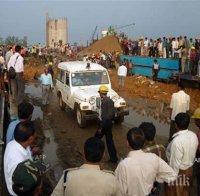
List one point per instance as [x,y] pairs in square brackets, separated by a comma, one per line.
[62,104]
[119,119]
[80,118]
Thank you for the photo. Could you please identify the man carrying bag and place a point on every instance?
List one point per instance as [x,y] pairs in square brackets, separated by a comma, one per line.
[15,72]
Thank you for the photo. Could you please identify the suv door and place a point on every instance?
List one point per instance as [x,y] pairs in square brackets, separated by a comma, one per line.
[66,89]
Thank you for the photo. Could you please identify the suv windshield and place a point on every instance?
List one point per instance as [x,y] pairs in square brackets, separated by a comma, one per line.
[89,78]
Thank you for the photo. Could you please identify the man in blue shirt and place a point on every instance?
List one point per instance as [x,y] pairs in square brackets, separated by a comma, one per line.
[47,85]
[25,111]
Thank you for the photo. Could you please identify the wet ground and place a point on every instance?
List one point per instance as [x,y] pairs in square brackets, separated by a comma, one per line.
[62,140]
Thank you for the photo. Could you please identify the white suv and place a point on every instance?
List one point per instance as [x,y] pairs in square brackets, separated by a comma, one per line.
[77,87]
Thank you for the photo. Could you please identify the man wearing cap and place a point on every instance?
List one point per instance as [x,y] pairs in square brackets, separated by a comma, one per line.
[89,179]
[107,113]
[27,179]
[196,117]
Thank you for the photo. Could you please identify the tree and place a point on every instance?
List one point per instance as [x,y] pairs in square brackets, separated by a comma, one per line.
[12,40]
[1,41]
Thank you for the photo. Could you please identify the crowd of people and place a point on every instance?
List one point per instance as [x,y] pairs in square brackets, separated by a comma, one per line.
[12,75]
[187,50]
[147,166]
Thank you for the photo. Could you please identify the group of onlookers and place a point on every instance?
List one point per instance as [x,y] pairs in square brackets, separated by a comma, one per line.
[11,72]
[147,166]
[12,75]
[70,51]
[106,59]
[187,50]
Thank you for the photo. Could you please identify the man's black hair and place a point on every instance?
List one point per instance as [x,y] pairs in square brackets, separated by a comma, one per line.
[135,138]
[17,190]
[18,48]
[182,121]
[155,61]
[25,110]
[23,131]
[94,149]
[149,130]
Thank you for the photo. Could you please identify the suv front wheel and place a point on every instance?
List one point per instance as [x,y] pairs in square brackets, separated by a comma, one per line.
[80,118]
[62,104]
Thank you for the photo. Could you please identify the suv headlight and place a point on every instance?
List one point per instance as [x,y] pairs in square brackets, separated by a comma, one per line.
[123,103]
[92,100]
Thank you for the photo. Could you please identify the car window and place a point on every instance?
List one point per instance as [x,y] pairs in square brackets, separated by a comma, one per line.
[61,76]
[89,78]
[67,79]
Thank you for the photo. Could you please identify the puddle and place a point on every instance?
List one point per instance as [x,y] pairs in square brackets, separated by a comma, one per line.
[144,110]
[34,93]
[37,113]
[33,90]
[50,150]
[134,120]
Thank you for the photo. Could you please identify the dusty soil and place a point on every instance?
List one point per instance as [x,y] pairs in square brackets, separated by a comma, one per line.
[139,86]
[107,44]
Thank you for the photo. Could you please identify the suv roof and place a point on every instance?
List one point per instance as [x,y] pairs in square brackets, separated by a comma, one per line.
[76,66]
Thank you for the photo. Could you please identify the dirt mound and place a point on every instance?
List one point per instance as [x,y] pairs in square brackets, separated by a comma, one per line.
[107,44]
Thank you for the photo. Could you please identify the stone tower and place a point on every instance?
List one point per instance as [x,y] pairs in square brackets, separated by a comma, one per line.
[56,31]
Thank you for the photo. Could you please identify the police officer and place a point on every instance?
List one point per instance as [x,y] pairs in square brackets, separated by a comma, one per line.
[89,179]
[107,113]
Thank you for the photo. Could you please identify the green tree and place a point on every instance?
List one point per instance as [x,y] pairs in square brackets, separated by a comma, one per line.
[11,40]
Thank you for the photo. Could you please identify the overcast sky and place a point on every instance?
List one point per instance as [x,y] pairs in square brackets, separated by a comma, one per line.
[152,18]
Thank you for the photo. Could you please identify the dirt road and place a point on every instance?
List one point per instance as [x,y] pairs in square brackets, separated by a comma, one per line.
[63,140]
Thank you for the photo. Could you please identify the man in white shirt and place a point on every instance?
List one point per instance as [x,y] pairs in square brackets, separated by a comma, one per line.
[122,73]
[181,153]
[17,84]
[137,173]
[18,150]
[174,47]
[180,102]
[146,46]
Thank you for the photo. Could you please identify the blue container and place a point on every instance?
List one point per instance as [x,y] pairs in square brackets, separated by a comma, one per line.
[143,66]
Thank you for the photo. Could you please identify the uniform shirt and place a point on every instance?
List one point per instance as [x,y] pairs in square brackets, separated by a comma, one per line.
[17,62]
[182,150]
[122,71]
[14,154]
[46,79]
[107,109]
[10,130]
[180,102]
[88,180]
[137,173]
